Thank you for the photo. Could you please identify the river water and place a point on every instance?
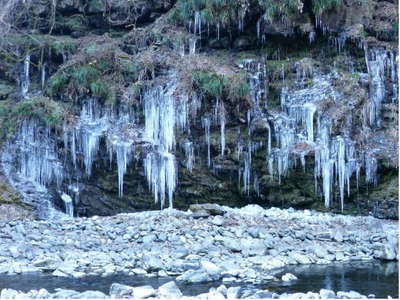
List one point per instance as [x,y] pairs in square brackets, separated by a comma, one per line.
[365,277]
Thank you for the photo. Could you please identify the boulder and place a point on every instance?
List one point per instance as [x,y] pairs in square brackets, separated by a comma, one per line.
[207,209]
[169,290]
[288,277]
[143,292]
[120,291]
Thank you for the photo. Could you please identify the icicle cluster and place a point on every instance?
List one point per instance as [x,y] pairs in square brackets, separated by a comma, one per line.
[159,109]
[25,80]
[379,61]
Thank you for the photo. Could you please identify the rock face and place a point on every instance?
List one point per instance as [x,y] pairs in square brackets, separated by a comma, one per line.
[298,127]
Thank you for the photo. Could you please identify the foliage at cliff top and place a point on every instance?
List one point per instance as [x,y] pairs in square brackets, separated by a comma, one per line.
[228,12]
[50,112]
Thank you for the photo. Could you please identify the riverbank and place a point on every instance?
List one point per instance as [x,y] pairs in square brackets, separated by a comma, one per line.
[236,245]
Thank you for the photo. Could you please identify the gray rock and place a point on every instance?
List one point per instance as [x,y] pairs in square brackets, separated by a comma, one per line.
[218,221]
[152,263]
[208,209]
[327,294]
[14,251]
[320,252]
[337,235]
[289,277]
[211,269]
[232,244]
[91,295]
[8,294]
[143,292]
[300,258]
[148,239]
[65,294]
[262,295]
[120,291]
[169,290]
[47,263]
[233,292]
[195,276]
[388,253]
[180,252]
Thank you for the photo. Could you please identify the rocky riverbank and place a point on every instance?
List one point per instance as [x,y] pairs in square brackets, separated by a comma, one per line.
[171,291]
[207,244]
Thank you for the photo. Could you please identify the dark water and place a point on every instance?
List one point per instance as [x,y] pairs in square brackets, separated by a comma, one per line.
[380,279]
[373,277]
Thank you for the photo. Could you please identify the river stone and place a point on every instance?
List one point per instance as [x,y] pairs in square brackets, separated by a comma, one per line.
[272,263]
[289,277]
[195,276]
[169,290]
[213,270]
[152,263]
[143,292]
[91,295]
[120,291]
[232,244]
[218,221]
[327,294]
[320,252]
[207,209]
[300,258]
[64,294]
[233,292]
[47,263]
[8,294]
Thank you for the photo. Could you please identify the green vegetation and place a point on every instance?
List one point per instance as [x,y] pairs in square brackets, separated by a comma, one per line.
[209,83]
[320,6]
[100,70]
[227,12]
[214,85]
[48,111]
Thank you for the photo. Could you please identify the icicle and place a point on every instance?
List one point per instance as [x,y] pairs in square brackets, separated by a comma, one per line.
[308,115]
[247,172]
[161,176]
[25,79]
[160,117]
[192,46]
[218,31]
[197,23]
[341,167]
[37,156]
[69,205]
[123,150]
[377,92]
[189,154]
[222,123]
[371,169]
[43,76]
[206,125]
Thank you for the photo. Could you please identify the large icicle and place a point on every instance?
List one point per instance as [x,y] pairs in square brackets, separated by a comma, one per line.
[161,175]
[159,108]
[25,80]
[206,122]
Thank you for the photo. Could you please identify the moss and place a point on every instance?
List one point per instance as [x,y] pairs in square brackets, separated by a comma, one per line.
[50,112]
[209,83]
[215,85]
[56,83]
[8,196]
[320,6]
